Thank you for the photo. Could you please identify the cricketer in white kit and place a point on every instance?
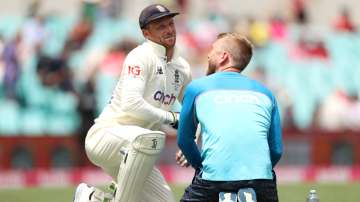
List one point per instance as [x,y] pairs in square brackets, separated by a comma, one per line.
[125,140]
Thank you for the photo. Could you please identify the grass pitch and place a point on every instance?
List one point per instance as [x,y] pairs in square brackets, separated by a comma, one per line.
[287,193]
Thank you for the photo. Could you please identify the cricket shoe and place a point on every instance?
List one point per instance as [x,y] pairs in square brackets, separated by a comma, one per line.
[83,193]
[86,193]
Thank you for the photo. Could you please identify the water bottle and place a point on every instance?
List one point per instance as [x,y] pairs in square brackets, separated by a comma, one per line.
[312,197]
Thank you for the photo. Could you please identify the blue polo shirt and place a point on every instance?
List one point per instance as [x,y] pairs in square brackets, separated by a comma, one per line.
[240,125]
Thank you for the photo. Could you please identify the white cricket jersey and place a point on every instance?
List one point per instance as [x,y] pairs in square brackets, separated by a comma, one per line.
[147,88]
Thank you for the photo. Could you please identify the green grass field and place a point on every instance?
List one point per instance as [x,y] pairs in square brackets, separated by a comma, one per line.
[287,193]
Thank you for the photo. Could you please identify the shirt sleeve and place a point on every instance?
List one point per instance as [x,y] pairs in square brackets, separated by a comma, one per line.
[187,129]
[275,136]
[135,74]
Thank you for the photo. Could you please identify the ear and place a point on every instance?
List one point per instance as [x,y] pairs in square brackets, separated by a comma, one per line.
[223,57]
[145,32]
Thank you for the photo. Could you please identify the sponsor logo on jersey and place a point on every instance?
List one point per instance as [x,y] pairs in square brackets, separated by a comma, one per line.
[176,80]
[134,70]
[236,99]
[164,98]
[176,76]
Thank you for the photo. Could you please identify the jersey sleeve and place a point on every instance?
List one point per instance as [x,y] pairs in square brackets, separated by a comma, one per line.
[187,128]
[136,72]
[275,136]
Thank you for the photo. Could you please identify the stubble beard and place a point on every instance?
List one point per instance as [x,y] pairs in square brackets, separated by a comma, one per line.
[211,68]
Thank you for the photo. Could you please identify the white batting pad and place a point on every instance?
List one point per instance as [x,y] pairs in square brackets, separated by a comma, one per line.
[138,162]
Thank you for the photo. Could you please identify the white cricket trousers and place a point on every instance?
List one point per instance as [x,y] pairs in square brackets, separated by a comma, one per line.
[103,147]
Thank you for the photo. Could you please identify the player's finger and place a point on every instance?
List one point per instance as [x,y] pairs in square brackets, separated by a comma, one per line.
[184,163]
[180,159]
[178,155]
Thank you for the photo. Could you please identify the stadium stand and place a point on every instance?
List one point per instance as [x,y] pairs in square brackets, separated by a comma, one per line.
[305,65]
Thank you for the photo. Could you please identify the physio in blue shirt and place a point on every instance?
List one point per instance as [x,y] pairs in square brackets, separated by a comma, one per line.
[240,127]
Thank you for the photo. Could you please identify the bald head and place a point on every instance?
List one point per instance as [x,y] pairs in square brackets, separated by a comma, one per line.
[230,50]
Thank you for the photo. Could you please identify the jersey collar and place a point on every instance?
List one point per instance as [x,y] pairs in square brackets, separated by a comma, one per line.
[160,50]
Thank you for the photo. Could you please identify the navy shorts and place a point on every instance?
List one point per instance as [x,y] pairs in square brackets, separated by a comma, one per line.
[201,190]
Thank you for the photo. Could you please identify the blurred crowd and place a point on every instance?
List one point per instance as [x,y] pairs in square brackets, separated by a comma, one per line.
[57,73]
